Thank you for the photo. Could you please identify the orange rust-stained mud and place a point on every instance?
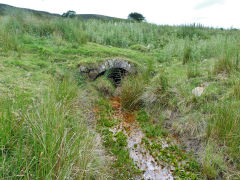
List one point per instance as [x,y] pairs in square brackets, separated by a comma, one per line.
[127,119]
[137,151]
[176,138]
[115,103]
[115,99]
[96,109]
[129,122]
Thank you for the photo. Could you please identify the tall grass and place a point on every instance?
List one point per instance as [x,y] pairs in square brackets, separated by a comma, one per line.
[225,126]
[236,89]
[191,42]
[9,35]
[132,89]
[192,71]
[228,58]
[187,53]
[46,138]
[16,26]
[227,63]
[224,65]
[104,86]
[213,162]
[157,93]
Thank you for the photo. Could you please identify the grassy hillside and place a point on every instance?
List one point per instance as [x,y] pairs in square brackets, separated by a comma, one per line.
[7,9]
[47,124]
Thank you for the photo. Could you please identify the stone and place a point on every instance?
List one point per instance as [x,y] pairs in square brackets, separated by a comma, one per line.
[83,68]
[108,64]
[197,92]
[92,74]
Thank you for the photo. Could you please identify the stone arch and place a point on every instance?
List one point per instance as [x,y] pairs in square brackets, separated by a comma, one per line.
[94,71]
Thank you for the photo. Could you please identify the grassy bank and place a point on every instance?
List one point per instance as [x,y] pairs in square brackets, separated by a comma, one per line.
[47,137]
[207,125]
[44,133]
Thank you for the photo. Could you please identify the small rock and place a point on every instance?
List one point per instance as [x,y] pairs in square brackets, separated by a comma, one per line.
[29,74]
[167,114]
[197,92]
[92,74]
[205,60]
[82,68]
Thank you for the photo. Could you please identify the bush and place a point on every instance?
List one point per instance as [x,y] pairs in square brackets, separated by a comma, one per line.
[136,16]
[69,14]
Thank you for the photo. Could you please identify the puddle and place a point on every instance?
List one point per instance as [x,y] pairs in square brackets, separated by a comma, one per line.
[144,161]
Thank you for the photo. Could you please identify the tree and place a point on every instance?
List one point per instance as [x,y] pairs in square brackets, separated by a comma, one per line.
[136,16]
[69,14]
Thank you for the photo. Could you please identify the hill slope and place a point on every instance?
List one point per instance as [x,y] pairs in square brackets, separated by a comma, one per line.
[6,9]
[186,92]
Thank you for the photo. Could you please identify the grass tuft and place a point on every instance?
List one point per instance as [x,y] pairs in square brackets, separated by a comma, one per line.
[104,86]
[192,71]
[131,91]
[187,51]
[157,91]
[46,138]
[225,126]
[213,162]
[224,65]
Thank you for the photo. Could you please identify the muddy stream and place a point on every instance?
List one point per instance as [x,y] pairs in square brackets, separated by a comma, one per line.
[138,153]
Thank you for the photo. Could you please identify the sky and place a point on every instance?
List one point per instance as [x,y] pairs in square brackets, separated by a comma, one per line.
[213,13]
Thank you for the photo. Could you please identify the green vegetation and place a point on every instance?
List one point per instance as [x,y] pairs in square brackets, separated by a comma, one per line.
[69,14]
[152,130]
[104,86]
[47,130]
[225,126]
[132,89]
[123,167]
[136,16]
[213,162]
[46,137]
[185,166]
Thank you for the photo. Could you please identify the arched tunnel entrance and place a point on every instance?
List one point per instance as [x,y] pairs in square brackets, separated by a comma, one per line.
[115,75]
[114,69]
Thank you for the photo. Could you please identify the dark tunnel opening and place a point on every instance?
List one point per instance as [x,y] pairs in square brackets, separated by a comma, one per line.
[115,75]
